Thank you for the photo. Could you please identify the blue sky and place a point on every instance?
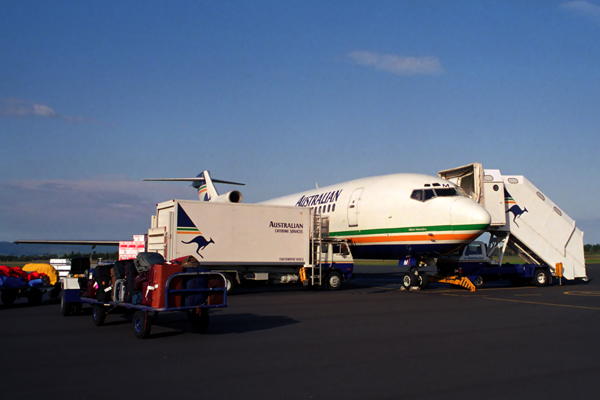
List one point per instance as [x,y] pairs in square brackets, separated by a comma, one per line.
[96,96]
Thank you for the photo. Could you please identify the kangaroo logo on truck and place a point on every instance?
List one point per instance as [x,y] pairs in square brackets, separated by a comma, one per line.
[201,242]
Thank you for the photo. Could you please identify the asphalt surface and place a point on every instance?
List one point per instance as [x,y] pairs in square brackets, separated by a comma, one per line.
[369,340]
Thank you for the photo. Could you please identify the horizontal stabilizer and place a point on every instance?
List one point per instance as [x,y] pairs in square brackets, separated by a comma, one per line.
[196,179]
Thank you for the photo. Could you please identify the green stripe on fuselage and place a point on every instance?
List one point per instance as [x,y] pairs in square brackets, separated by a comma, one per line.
[420,229]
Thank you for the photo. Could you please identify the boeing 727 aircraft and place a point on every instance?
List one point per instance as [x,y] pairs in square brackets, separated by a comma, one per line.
[395,217]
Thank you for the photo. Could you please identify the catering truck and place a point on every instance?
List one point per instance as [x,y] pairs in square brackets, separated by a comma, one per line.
[252,242]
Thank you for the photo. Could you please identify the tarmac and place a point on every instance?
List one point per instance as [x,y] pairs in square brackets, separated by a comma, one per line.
[369,340]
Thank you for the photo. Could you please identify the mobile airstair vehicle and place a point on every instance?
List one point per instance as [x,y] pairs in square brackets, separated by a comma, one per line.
[525,220]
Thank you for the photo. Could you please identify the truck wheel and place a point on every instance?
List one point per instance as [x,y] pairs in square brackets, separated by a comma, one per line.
[8,297]
[409,279]
[229,283]
[99,315]
[541,278]
[334,280]
[34,297]
[200,322]
[141,324]
[479,282]
[423,280]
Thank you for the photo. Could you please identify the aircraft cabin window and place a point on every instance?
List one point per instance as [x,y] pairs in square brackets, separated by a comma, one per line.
[329,208]
[333,208]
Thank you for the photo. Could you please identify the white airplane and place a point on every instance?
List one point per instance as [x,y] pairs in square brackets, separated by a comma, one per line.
[407,217]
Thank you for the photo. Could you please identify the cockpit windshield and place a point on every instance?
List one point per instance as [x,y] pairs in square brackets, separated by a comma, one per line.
[428,194]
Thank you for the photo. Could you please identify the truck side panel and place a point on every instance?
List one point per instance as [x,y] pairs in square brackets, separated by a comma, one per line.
[222,233]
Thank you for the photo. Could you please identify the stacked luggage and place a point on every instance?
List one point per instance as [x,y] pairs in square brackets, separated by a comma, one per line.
[150,284]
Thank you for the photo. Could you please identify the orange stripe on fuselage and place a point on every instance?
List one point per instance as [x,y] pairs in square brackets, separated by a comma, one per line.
[416,238]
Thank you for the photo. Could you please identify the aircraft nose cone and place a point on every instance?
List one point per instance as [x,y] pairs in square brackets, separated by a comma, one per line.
[468,216]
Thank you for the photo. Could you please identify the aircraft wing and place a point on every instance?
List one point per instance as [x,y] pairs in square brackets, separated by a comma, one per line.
[71,242]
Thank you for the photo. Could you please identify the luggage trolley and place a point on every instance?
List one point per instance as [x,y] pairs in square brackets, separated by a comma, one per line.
[198,313]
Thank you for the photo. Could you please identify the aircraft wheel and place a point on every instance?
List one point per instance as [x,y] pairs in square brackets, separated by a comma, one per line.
[541,278]
[141,324]
[409,279]
[423,280]
[479,282]
[99,315]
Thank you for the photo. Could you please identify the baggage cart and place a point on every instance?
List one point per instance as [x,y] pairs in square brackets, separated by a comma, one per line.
[34,294]
[143,315]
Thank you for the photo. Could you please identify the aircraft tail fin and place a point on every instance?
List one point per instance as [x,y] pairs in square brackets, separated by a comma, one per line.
[206,188]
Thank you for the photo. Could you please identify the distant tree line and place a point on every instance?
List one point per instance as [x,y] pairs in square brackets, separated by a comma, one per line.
[94,255]
[591,248]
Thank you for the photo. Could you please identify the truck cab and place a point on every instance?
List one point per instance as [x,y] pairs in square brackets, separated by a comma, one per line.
[335,262]
[470,257]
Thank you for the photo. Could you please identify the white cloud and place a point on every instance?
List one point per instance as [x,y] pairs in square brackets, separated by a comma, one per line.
[584,8]
[24,108]
[400,65]
[43,110]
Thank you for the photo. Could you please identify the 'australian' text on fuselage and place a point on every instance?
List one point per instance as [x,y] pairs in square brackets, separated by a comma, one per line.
[317,199]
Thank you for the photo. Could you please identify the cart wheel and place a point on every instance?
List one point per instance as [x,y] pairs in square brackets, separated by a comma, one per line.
[141,324]
[99,315]
[65,307]
[200,322]
[8,297]
[34,297]
[334,280]
[54,292]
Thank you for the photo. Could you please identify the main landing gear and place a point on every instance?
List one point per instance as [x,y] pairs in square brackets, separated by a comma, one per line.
[415,280]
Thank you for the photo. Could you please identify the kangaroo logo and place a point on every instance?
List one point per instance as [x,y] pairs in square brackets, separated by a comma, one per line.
[517,212]
[201,242]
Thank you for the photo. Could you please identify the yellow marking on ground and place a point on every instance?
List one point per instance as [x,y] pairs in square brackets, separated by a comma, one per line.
[581,293]
[543,304]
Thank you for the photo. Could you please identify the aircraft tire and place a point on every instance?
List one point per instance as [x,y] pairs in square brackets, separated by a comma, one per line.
[423,281]
[409,279]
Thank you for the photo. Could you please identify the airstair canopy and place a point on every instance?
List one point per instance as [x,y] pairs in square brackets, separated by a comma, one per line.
[469,177]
